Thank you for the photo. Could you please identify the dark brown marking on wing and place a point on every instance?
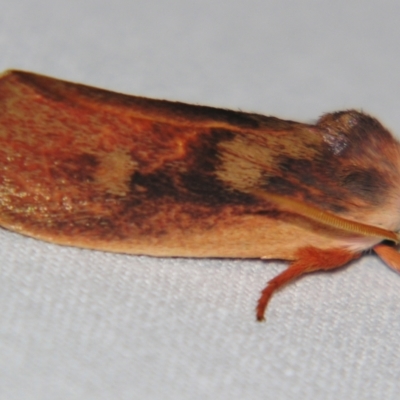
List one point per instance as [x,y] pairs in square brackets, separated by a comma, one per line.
[368,183]
[200,181]
[80,167]
[155,185]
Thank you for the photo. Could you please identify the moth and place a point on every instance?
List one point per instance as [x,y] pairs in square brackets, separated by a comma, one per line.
[87,167]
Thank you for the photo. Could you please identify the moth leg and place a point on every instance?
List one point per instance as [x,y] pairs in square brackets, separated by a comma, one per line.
[308,259]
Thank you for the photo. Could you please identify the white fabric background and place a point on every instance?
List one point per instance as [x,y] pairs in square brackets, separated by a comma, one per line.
[80,324]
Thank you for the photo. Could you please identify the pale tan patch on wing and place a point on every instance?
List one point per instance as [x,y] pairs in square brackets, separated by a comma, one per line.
[249,157]
[242,163]
[114,172]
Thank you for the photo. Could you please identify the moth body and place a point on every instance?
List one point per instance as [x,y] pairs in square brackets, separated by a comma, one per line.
[91,168]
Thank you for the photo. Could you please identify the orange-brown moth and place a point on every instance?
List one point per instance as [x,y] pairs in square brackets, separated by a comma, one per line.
[91,168]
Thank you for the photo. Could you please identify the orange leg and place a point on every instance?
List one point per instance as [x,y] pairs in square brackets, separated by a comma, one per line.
[390,255]
[308,259]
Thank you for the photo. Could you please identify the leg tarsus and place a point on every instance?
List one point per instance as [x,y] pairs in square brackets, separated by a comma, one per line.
[308,259]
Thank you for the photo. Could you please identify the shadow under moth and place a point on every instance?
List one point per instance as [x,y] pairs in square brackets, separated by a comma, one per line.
[86,167]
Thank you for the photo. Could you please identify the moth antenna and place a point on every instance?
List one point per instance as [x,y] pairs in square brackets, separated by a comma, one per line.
[327,218]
